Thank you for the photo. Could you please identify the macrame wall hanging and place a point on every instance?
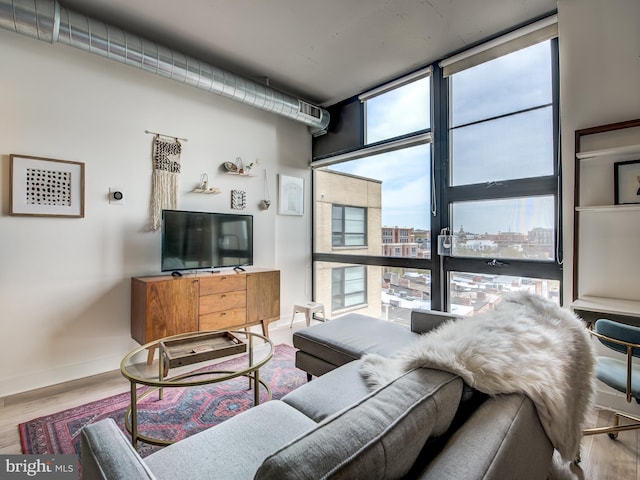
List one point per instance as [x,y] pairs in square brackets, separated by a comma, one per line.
[166,172]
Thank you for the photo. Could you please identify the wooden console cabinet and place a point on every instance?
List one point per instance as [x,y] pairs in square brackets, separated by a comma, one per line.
[166,305]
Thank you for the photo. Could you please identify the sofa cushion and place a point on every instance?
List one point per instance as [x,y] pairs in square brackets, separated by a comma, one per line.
[329,393]
[379,437]
[347,338]
[233,449]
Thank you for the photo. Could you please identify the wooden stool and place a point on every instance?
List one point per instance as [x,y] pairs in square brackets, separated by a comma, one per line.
[308,309]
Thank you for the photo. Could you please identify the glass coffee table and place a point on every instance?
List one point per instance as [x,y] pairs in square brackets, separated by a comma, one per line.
[191,360]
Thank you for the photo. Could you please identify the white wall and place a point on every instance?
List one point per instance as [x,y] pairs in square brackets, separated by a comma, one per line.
[599,83]
[65,283]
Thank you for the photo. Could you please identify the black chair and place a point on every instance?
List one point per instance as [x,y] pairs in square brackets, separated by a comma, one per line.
[618,373]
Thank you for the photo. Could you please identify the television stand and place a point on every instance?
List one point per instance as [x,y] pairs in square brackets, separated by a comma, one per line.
[165,305]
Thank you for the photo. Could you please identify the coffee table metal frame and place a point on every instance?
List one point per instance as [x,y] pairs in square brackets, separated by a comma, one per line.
[189,379]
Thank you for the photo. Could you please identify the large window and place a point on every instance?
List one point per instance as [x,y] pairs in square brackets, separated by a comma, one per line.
[467,148]
[378,206]
[502,199]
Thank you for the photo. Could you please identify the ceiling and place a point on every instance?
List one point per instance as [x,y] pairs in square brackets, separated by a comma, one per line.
[323,51]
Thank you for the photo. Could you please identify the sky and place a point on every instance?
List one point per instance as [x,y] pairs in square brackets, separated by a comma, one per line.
[505,148]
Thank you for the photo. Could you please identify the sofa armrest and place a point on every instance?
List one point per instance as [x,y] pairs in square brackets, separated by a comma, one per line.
[502,439]
[107,454]
[424,320]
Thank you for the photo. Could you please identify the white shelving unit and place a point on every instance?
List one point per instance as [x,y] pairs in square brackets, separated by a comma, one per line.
[606,273]
[606,240]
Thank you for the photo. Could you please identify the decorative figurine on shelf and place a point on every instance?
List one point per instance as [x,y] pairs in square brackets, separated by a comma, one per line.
[204,187]
[239,167]
[230,167]
[251,165]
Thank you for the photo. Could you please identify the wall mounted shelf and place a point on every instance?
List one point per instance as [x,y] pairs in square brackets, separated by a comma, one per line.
[609,208]
[609,152]
[237,174]
[210,191]
[611,306]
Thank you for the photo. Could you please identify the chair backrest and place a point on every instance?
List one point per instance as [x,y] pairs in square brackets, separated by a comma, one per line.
[619,331]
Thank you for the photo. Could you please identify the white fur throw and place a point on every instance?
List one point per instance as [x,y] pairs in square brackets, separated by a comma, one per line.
[527,345]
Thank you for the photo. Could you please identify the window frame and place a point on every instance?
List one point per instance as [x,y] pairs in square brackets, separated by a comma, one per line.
[343,294]
[341,148]
[514,188]
[343,231]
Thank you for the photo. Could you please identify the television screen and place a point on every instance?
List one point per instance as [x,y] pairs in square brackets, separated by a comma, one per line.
[200,240]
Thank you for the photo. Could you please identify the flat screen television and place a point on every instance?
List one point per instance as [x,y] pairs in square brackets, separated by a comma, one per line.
[203,240]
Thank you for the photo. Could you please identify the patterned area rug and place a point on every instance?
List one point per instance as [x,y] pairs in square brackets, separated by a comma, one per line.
[181,413]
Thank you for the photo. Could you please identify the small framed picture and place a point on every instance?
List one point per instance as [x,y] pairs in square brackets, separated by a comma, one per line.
[46,187]
[627,182]
[291,195]
[238,199]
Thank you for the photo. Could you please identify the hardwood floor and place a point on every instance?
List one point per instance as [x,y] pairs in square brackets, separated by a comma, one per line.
[602,458]
[606,459]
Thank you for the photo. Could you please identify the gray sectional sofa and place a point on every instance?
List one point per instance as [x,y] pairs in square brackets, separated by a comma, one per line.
[425,425]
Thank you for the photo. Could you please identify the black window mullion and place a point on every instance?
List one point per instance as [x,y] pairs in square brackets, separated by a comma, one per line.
[504,189]
[440,177]
[505,115]
[379,261]
[555,85]
[516,268]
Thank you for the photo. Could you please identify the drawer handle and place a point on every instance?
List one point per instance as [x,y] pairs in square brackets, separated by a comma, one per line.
[224,314]
[223,296]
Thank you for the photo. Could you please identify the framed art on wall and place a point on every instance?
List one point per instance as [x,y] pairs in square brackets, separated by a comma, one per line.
[291,195]
[46,187]
[627,182]
[238,199]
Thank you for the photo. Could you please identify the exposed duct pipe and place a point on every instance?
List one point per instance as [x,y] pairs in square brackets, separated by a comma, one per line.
[51,22]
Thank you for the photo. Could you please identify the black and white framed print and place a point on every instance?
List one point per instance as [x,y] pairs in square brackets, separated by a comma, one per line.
[46,187]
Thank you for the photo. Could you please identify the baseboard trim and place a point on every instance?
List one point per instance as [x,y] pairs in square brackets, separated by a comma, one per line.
[62,387]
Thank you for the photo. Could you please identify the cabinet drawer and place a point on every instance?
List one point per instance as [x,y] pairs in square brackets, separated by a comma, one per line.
[223,320]
[221,302]
[222,283]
